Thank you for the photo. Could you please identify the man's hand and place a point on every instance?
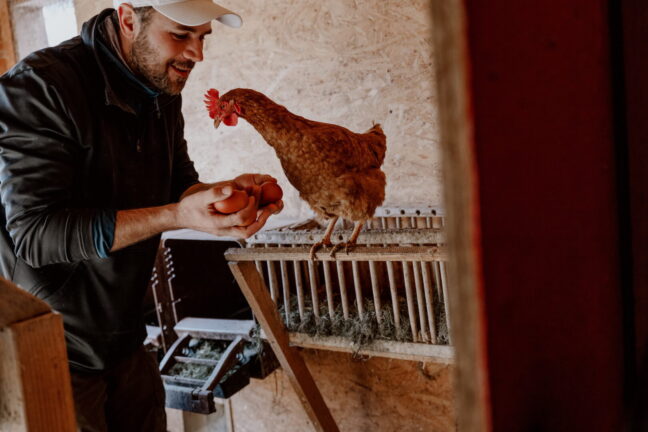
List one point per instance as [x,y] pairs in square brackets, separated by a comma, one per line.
[196,210]
[251,183]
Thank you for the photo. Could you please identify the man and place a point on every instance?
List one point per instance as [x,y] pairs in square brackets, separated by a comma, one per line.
[93,167]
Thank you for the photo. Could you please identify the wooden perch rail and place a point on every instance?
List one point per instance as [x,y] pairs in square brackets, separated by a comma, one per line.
[401,253]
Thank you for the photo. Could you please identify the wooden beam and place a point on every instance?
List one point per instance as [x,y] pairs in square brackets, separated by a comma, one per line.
[467,310]
[293,365]
[7,51]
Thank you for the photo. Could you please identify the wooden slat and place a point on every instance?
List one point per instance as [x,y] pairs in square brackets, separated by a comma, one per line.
[343,289]
[394,294]
[312,277]
[35,389]
[264,309]
[405,253]
[444,287]
[272,276]
[429,301]
[411,309]
[328,283]
[7,51]
[358,288]
[420,300]
[285,289]
[375,290]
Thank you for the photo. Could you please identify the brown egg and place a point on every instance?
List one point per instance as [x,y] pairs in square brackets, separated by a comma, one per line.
[236,202]
[270,192]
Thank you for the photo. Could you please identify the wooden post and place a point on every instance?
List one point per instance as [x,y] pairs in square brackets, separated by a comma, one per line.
[35,388]
[293,365]
[7,52]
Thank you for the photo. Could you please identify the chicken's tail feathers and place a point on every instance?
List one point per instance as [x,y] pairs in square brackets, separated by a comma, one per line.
[376,129]
[377,143]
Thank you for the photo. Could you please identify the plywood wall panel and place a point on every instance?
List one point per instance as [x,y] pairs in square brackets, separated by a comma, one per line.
[346,62]
[374,394]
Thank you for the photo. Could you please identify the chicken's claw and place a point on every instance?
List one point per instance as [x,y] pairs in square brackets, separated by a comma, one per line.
[348,246]
[317,246]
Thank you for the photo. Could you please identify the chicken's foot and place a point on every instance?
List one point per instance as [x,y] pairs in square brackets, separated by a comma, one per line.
[348,245]
[326,240]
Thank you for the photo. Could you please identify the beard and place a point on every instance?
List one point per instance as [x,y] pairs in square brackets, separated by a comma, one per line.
[145,61]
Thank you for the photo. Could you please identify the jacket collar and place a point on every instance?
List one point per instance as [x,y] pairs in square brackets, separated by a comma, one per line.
[121,87]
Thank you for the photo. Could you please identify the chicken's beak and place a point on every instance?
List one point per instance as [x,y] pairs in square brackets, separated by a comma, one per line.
[217,122]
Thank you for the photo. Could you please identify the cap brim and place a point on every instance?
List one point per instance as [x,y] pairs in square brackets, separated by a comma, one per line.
[198,12]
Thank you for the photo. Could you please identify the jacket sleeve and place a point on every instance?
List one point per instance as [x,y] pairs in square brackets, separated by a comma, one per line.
[184,173]
[40,161]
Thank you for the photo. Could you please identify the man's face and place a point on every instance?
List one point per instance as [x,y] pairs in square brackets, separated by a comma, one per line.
[165,52]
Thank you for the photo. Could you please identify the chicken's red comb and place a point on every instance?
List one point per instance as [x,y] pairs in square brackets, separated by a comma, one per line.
[212,98]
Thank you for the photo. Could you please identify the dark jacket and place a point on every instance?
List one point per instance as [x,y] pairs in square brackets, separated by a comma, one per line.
[79,139]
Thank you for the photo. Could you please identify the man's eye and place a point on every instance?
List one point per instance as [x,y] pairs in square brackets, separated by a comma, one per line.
[179,36]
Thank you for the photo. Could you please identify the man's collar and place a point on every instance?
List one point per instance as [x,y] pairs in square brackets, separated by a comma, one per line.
[122,88]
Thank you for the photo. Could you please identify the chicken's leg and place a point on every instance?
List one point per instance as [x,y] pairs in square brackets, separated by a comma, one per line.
[352,240]
[326,240]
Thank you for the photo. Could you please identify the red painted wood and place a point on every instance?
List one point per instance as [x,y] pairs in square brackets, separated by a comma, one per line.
[544,137]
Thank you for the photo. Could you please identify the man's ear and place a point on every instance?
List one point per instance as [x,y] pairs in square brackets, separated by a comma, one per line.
[128,23]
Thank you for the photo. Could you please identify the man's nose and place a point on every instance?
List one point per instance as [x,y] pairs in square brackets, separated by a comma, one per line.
[194,50]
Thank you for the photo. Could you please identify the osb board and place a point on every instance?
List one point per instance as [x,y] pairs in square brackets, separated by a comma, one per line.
[346,62]
[375,394]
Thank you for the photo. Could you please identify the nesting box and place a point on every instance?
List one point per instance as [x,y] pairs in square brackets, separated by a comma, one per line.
[388,296]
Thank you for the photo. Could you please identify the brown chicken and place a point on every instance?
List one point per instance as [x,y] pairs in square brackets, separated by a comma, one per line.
[336,171]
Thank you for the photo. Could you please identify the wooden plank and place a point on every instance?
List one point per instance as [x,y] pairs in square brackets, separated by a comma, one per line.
[18,305]
[405,253]
[390,349]
[459,161]
[7,51]
[293,365]
[34,376]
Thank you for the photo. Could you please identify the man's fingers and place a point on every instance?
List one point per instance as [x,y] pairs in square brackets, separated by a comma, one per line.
[221,192]
[257,225]
[246,180]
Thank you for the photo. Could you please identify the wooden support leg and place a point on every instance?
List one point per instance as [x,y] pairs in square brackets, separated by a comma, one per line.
[293,365]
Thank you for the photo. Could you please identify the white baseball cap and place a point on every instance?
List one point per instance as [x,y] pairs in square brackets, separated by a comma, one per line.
[189,12]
